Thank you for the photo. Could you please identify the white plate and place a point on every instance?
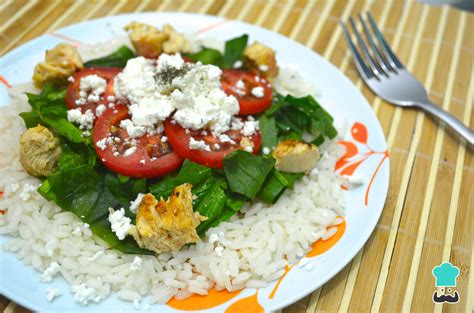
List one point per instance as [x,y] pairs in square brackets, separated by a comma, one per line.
[338,95]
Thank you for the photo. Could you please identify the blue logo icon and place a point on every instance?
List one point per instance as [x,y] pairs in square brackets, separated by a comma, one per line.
[445,275]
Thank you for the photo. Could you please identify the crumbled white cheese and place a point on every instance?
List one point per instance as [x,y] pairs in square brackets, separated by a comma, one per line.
[77,231]
[111,99]
[133,130]
[263,68]
[219,250]
[91,87]
[190,89]
[265,150]
[198,145]
[119,223]
[84,294]
[142,161]
[258,92]
[237,123]
[27,191]
[97,255]
[130,151]
[217,146]
[136,264]
[240,84]
[249,149]
[48,274]
[213,238]
[238,64]
[250,128]
[136,304]
[52,293]
[225,138]
[85,121]
[101,144]
[164,139]
[71,79]
[353,181]
[100,110]
[136,203]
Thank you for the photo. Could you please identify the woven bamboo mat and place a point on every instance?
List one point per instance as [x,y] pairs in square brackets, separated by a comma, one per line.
[428,217]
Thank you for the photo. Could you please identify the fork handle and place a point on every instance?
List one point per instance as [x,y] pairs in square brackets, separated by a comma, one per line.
[449,119]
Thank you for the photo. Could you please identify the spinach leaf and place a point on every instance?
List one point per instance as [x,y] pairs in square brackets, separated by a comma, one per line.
[234,49]
[118,58]
[269,131]
[207,56]
[82,191]
[190,172]
[211,204]
[74,155]
[124,191]
[273,187]
[294,116]
[245,172]
[49,109]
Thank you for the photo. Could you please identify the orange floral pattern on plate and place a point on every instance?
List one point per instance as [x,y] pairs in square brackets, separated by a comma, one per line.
[318,247]
[198,302]
[248,305]
[352,159]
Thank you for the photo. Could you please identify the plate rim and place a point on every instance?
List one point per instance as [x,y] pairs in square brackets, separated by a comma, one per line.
[345,258]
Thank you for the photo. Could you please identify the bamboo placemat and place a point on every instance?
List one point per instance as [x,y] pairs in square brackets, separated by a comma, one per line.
[428,216]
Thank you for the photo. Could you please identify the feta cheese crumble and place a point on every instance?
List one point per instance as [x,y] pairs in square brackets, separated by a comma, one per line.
[91,87]
[48,274]
[198,145]
[266,151]
[136,264]
[101,144]
[191,90]
[258,92]
[52,293]
[84,294]
[119,223]
[85,121]
[136,203]
[250,128]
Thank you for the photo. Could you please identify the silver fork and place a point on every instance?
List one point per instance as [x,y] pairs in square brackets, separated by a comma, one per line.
[383,72]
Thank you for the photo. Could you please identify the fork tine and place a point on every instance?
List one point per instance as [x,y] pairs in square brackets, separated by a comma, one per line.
[372,64]
[358,60]
[391,57]
[384,64]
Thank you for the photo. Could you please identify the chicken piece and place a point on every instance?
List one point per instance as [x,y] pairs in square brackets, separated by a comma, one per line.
[39,151]
[261,59]
[60,62]
[146,39]
[166,226]
[295,157]
[176,41]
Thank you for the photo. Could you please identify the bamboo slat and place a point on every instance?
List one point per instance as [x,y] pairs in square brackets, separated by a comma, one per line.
[428,216]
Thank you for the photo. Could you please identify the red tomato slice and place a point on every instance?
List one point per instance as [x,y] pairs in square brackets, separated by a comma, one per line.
[180,138]
[248,102]
[72,94]
[151,158]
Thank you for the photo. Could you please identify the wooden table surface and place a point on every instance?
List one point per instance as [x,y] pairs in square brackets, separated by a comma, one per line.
[428,216]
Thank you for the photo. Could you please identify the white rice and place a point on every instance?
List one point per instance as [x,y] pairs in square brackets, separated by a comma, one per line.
[251,251]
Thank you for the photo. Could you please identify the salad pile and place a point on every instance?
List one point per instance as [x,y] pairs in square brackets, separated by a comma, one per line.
[108,157]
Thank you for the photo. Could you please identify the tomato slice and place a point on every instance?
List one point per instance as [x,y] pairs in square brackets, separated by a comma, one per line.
[151,157]
[240,83]
[73,89]
[180,138]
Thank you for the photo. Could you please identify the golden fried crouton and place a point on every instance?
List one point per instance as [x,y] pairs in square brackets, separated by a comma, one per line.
[60,62]
[39,151]
[176,41]
[146,39]
[295,157]
[261,59]
[166,226]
